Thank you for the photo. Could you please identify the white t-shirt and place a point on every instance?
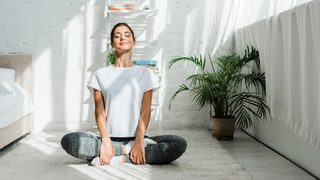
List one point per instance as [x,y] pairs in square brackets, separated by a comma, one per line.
[122,90]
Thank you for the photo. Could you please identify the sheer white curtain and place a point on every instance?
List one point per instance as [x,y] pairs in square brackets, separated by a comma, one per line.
[289,45]
[250,11]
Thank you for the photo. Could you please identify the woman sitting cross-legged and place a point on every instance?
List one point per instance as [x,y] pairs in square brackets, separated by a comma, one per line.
[122,95]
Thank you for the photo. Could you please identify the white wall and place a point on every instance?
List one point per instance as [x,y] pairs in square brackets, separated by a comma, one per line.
[64,39]
[67,39]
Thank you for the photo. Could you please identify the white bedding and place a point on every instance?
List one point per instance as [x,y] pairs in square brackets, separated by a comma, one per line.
[15,102]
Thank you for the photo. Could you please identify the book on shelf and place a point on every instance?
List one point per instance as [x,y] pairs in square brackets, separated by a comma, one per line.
[152,64]
[122,7]
[146,62]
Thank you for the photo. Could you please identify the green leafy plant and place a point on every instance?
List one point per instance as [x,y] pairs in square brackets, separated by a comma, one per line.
[222,88]
[112,56]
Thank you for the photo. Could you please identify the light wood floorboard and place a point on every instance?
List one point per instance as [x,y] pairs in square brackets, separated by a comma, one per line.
[260,161]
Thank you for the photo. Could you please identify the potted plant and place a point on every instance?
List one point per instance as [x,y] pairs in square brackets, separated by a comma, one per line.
[112,56]
[227,90]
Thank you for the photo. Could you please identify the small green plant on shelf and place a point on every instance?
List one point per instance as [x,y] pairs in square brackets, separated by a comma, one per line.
[111,56]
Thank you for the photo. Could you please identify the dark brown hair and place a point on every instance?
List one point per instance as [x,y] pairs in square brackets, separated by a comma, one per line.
[117,25]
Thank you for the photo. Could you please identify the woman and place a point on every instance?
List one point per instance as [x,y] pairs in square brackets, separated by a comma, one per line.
[122,96]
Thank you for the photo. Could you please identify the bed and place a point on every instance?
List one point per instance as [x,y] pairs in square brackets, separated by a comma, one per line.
[16,97]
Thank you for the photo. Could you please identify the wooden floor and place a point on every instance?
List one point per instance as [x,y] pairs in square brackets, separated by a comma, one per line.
[260,161]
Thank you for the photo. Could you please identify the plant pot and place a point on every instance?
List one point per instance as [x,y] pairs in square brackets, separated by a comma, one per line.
[223,128]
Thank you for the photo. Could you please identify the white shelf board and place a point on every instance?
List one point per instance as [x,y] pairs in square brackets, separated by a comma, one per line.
[142,43]
[132,12]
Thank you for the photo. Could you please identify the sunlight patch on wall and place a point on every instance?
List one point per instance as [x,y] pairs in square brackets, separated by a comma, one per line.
[224,26]
[44,95]
[78,45]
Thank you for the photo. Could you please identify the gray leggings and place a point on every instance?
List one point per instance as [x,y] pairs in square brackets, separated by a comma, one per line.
[86,146]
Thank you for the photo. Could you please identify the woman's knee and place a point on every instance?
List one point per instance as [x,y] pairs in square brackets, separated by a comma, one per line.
[180,144]
[68,141]
[177,143]
[81,145]
[168,149]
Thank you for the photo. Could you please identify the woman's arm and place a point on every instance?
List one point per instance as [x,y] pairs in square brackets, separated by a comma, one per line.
[138,151]
[106,149]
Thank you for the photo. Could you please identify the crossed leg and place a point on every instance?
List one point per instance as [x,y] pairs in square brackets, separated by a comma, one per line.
[86,146]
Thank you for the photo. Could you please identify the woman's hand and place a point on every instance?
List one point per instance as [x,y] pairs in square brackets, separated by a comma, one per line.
[106,152]
[137,154]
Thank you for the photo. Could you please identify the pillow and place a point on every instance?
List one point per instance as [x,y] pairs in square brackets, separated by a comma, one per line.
[5,84]
[9,73]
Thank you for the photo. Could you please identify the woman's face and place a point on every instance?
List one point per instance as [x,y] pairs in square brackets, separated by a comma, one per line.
[123,40]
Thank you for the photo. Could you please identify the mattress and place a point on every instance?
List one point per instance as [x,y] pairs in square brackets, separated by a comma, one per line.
[15,102]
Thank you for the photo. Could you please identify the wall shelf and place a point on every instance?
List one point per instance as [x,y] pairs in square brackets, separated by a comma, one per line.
[132,12]
[142,43]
